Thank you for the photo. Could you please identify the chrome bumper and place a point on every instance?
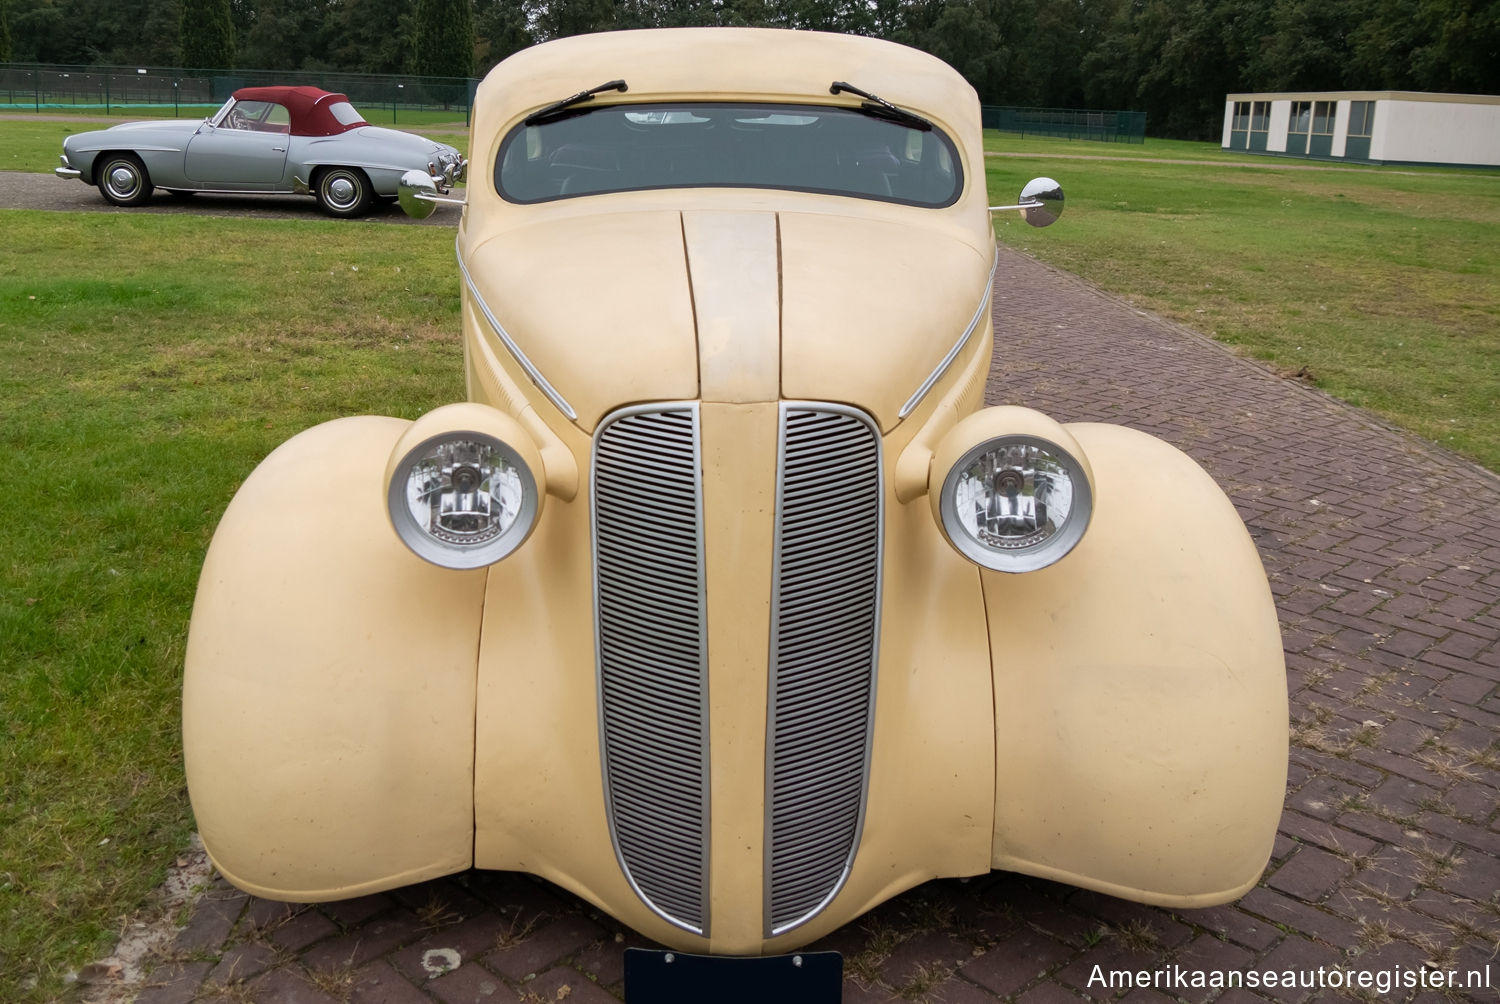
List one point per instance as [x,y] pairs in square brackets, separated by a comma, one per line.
[67,172]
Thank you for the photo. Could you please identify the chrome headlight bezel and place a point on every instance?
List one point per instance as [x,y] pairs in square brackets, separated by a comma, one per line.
[449,554]
[1025,558]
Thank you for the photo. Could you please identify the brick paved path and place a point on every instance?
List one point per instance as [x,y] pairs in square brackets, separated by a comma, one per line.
[1384,555]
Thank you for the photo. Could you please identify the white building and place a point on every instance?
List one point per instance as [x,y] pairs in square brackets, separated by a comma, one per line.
[1370,127]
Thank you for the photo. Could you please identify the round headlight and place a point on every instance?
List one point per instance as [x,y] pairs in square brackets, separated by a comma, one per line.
[462,499]
[1016,503]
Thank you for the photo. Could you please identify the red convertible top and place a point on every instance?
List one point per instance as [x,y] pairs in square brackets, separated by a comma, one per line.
[308,106]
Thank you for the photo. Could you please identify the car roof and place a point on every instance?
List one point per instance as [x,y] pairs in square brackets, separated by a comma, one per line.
[308,107]
[725,63]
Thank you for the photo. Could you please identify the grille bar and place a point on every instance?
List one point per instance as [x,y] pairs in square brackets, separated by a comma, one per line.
[825,629]
[652,642]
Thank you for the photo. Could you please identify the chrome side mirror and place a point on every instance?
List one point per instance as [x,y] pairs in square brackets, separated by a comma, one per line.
[1041,202]
[418,194]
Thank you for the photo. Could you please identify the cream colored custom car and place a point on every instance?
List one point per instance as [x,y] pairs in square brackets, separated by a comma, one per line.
[722,602]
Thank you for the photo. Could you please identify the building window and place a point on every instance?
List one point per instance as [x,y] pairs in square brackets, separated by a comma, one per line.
[1249,124]
[1322,118]
[1301,123]
[1362,118]
[1241,116]
[1361,128]
[1260,117]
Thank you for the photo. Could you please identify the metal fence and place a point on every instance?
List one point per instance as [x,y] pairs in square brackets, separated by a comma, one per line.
[1067,123]
[135,90]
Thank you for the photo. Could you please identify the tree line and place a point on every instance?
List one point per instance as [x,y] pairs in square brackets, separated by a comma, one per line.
[1173,59]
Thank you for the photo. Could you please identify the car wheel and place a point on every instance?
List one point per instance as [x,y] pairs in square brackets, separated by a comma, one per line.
[123,180]
[343,191]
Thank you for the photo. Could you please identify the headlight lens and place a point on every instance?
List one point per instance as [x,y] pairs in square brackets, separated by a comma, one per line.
[462,500]
[1016,503]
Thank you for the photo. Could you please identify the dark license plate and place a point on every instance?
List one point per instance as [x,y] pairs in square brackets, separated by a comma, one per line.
[675,978]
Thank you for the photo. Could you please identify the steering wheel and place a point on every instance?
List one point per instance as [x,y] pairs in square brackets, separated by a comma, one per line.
[237,120]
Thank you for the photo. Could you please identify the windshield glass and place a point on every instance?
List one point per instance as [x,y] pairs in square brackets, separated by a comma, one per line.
[804,148]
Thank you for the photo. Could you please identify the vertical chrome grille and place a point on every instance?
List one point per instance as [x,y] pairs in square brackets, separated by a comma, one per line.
[652,647]
[825,612]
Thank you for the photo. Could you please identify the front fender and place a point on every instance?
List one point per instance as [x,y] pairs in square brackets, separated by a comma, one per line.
[328,703]
[1140,691]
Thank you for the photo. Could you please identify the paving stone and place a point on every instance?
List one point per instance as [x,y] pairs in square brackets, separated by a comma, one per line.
[174,984]
[1310,874]
[1049,993]
[1330,838]
[262,914]
[1016,962]
[1476,802]
[243,961]
[1474,875]
[565,984]
[1308,962]
[472,984]
[1102,972]
[516,895]
[288,985]
[543,947]
[1296,917]
[302,930]
[1126,916]
[1235,924]
[1402,797]
[365,942]
[604,961]
[213,918]
[917,959]
[957,990]
[1322,797]
[378,983]
[859,993]
[1394,763]
[469,940]
[348,912]
[438,902]
[1484,841]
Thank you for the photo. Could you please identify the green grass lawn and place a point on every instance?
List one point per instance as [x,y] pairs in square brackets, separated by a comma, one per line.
[150,368]
[1380,286]
[141,384]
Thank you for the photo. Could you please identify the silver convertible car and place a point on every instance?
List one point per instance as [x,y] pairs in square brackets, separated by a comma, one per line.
[265,140]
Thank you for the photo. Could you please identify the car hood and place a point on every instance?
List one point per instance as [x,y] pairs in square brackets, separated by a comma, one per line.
[175,132]
[618,308]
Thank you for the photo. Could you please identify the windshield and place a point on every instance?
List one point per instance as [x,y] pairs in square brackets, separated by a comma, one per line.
[804,148]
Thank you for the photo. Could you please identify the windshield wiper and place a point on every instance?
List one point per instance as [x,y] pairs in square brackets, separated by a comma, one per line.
[881,108]
[557,106]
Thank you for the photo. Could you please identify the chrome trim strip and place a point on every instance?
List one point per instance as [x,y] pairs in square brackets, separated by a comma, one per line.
[772,928]
[515,350]
[699,925]
[942,367]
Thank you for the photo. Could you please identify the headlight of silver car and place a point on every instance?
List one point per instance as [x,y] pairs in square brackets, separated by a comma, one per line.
[1014,502]
[462,486]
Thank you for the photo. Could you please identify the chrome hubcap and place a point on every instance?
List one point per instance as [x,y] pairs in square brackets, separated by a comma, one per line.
[122,180]
[341,190]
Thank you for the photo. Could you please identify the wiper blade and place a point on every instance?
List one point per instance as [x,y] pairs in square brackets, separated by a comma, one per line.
[881,108]
[566,103]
